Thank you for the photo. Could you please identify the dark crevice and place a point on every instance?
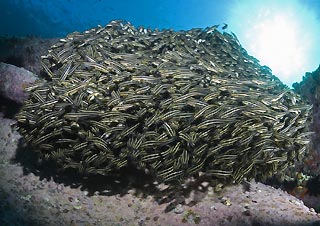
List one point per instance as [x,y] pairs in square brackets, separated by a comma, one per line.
[8,107]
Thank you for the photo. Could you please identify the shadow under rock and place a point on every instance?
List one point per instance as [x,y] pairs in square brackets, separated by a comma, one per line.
[8,107]
[127,180]
[118,183]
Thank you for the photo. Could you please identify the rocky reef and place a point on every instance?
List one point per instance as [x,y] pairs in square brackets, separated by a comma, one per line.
[172,104]
[309,89]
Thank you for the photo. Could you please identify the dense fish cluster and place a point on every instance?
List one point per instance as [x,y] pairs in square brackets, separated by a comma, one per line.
[173,104]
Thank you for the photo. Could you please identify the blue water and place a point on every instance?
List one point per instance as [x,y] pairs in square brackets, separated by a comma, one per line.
[57,18]
[249,20]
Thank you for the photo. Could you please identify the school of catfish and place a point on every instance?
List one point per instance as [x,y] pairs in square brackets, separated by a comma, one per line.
[174,104]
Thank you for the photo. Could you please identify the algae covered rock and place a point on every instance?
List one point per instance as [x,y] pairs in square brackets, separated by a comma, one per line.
[174,104]
[12,81]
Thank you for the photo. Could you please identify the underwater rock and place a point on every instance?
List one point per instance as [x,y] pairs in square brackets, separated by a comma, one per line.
[13,80]
[172,104]
[309,89]
[25,52]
